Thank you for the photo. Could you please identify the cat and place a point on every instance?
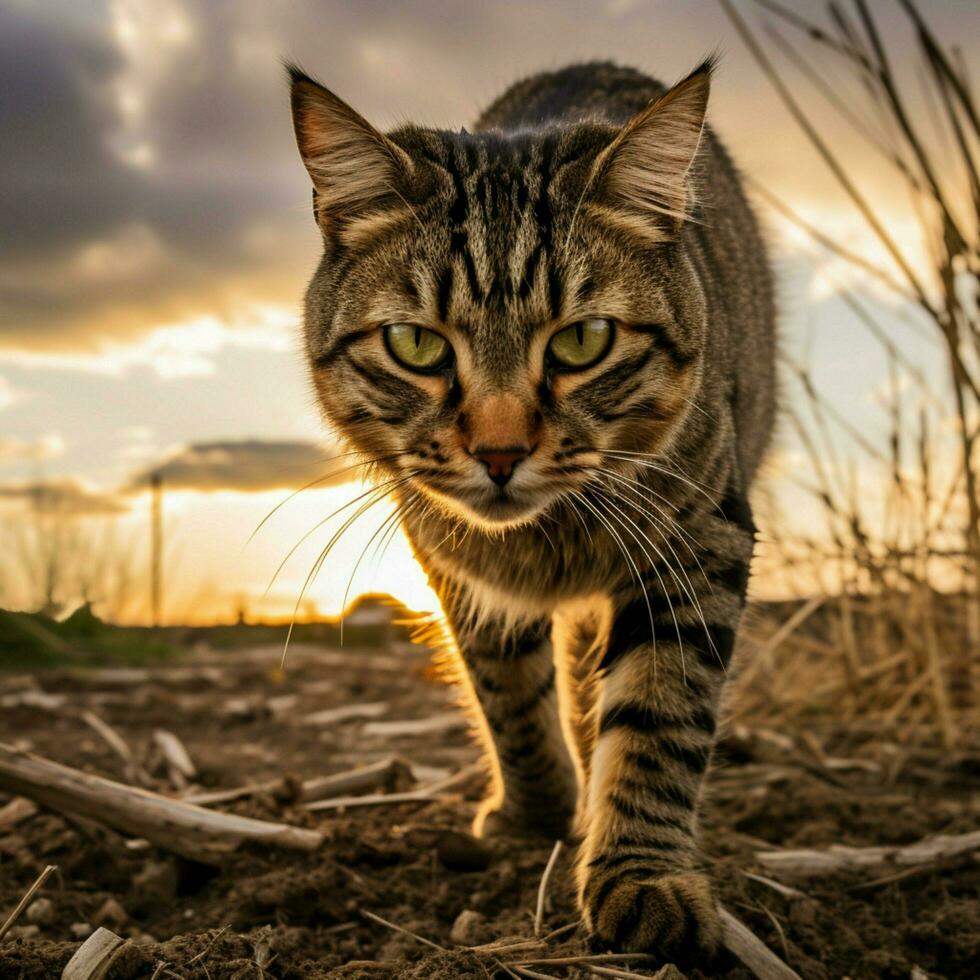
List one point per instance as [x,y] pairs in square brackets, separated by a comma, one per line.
[553,340]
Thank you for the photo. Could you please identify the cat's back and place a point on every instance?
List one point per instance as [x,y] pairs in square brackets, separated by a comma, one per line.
[596,90]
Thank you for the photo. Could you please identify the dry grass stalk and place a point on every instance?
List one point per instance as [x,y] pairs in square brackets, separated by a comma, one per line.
[26,899]
[899,550]
[740,941]
[543,887]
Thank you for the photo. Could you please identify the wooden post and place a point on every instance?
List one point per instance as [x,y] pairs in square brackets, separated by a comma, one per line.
[156,548]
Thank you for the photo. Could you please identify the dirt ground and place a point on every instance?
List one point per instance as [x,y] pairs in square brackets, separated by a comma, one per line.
[287,915]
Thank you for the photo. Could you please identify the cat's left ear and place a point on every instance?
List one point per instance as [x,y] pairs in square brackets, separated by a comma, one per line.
[648,166]
[354,167]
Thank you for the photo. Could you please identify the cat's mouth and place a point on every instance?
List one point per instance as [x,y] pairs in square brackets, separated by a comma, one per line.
[497,508]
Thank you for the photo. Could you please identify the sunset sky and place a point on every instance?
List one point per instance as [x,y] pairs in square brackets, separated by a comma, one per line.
[156,236]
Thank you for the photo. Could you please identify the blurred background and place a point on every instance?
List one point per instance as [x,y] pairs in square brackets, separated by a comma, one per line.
[155,239]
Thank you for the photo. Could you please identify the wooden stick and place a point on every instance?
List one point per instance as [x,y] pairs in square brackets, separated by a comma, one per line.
[776,886]
[752,951]
[23,903]
[182,828]
[134,772]
[839,857]
[176,756]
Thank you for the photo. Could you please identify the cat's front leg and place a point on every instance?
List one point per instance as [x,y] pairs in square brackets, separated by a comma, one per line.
[511,668]
[642,885]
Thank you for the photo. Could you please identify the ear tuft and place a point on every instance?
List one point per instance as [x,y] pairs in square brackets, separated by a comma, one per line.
[353,166]
[647,167]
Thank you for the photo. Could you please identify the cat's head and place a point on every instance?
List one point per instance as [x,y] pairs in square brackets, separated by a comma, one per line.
[501,318]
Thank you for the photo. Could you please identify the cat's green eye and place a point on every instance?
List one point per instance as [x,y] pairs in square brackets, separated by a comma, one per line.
[580,345]
[415,347]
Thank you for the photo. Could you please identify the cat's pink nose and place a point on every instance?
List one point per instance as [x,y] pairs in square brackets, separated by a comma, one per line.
[500,463]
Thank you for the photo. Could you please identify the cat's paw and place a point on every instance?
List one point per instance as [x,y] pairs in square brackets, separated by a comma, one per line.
[495,821]
[672,914]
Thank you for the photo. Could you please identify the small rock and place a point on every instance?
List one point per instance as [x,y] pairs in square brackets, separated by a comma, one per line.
[466,928]
[80,930]
[25,932]
[40,912]
[669,972]
[143,939]
[111,915]
[463,852]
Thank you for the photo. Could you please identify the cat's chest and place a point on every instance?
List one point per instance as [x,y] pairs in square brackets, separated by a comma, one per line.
[531,571]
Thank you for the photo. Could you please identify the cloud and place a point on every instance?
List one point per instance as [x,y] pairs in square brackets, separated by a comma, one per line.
[20,450]
[62,498]
[7,394]
[173,350]
[248,466]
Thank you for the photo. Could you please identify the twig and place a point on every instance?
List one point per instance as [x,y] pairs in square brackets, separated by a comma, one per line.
[752,951]
[176,756]
[376,799]
[424,794]
[543,887]
[23,903]
[112,738]
[377,775]
[406,932]
[611,971]
[776,886]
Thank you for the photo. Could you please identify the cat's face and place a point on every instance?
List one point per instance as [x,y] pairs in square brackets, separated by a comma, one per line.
[498,321]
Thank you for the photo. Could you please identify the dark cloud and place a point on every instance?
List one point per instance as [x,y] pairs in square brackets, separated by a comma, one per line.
[248,466]
[148,167]
[62,498]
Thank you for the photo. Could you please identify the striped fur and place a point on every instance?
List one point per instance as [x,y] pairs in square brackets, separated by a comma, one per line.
[594,599]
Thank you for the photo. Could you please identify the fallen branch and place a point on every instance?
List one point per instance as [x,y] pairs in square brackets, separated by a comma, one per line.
[182,828]
[839,857]
[25,901]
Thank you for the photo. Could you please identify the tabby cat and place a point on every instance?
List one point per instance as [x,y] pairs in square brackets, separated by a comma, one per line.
[552,337]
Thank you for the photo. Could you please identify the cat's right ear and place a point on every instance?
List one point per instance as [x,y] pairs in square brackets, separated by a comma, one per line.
[354,168]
